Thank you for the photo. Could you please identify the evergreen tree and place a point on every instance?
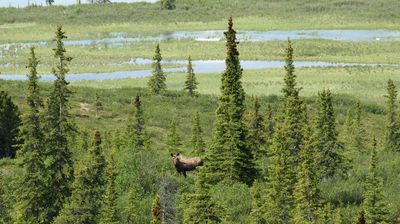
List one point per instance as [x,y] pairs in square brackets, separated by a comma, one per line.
[49,2]
[191,82]
[31,193]
[130,210]
[257,130]
[392,137]
[85,202]
[284,152]
[156,211]
[173,138]
[290,78]
[197,136]
[360,135]
[202,209]
[258,202]
[109,213]
[136,134]
[326,145]
[9,125]
[168,4]
[306,193]
[373,201]
[59,126]
[269,125]
[156,82]
[229,157]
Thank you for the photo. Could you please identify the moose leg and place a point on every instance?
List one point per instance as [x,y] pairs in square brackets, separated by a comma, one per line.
[184,173]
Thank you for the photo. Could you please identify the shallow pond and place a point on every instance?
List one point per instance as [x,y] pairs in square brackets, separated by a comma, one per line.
[199,66]
[118,39]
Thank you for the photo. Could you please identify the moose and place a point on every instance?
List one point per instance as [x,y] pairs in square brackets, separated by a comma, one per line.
[183,164]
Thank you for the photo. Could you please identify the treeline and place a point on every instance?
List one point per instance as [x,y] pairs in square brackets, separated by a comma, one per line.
[282,157]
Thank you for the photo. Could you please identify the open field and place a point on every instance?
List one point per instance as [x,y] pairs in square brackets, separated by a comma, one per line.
[145,171]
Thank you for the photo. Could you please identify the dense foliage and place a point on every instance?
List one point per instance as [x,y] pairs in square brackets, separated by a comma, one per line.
[262,166]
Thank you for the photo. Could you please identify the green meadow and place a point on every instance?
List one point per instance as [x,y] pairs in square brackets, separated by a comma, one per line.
[144,172]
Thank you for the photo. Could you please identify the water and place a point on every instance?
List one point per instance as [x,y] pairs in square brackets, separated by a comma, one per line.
[199,66]
[24,3]
[121,39]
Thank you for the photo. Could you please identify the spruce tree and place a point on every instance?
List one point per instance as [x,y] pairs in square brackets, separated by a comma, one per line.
[328,149]
[136,134]
[191,81]
[173,139]
[229,157]
[202,208]
[156,82]
[168,4]
[31,193]
[290,78]
[59,125]
[360,135]
[130,210]
[284,151]
[109,212]
[306,193]
[374,205]
[257,130]
[88,187]
[392,136]
[156,211]
[197,141]
[9,125]
[258,202]
[269,125]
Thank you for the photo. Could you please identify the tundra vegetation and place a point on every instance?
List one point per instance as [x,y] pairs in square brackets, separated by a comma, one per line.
[287,145]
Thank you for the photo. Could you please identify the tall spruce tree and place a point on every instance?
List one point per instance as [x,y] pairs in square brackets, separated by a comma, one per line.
[290,78]
[156,82]
[392,136]
[375,207]
[88,187]
[360,135]
[31,193]
[109,212]
[284,152]
[58,127]
[191,81]
[257,130]
[9,126]
[173,139]
[197,141]
[229,157]
[306,193]
[202,208]
[136,134]
[328,149]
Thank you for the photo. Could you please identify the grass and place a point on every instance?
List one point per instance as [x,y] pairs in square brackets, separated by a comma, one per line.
[366,83]
[105,57]
[159,111]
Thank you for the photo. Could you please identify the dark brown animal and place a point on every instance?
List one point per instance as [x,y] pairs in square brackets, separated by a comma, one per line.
[183,164]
